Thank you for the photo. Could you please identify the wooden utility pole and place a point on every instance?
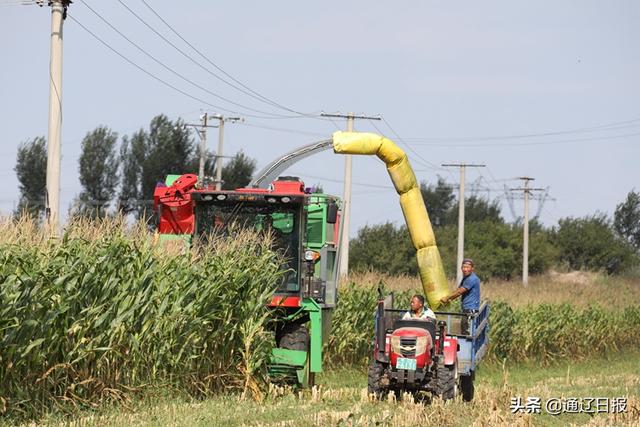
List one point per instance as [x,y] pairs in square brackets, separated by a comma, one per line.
[346,208]
[52,210]
[462,167]
[221,120]
[525,244]
[202,133]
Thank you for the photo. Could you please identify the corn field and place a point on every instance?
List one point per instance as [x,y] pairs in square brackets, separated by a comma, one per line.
[103,312]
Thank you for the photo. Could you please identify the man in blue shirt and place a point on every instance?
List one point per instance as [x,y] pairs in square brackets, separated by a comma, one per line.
[469,289]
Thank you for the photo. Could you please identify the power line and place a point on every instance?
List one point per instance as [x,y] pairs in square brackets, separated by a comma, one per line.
[419,159]
[262,97]
[518,144]
[340,181]
[168,68]
[599,128]
[158,79]
[190,58]
[286,130]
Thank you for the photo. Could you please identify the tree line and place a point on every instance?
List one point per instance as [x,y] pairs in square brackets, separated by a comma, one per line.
[120,175]
[593,242]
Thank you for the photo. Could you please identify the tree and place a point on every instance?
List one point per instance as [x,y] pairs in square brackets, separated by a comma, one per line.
[132,155]
[169,149]
[627,219]
[31,170]
[98,167]
[591,243]
[439,200]
[149,156]
[477,209]
[238,172]
[383,247]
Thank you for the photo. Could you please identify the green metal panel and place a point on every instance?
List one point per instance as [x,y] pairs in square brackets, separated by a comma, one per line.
[316,225]
[315,318]
[170,179]
[283,356]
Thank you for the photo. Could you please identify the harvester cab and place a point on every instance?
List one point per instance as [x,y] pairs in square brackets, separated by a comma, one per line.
[304,228]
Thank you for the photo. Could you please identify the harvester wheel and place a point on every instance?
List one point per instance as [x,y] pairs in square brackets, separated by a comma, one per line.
[446,381]
[294,337]
[376,371]
[466,386]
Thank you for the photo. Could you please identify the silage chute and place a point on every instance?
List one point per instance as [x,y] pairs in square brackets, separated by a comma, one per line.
[415,213]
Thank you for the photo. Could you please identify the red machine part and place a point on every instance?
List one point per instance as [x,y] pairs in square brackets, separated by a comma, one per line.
[174,206]
[450,350]
[285,301]
[422,358]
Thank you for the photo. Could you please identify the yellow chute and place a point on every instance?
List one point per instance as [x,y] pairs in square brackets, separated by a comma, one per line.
[415,213]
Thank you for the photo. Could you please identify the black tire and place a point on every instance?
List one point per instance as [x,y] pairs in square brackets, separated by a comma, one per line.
[466,387]
[376,371]
[446,386]
[293,336]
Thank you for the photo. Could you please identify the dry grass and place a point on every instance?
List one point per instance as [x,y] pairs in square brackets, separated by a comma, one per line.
[578,288]
[343,401]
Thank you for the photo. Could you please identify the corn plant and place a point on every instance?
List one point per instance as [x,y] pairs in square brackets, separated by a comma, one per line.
[103,311]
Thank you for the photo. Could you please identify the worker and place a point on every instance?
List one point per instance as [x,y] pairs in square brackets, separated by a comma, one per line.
[469,289]
[418,310]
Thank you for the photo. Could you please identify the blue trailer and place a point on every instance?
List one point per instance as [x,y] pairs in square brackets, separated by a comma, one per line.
[472,332]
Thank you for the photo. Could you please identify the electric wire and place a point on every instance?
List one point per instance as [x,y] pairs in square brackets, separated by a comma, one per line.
[186,55]
[166,67]
[520,144]
[286,130]
[217,67]
[419,159]
[623,124]
[341,181]
[158,79]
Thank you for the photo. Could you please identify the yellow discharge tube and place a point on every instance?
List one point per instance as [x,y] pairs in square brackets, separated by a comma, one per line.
[432,276]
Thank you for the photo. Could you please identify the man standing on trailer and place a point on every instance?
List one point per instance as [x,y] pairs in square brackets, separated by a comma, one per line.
[469,289]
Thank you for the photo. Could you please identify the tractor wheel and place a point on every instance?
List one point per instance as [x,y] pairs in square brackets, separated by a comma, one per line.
[294,337]
[447,378]
[466,387]
[376,371]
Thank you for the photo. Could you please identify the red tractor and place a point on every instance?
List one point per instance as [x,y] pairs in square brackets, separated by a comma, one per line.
[412,355]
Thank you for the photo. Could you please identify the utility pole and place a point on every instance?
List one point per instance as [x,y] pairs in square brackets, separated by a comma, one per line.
[58,15]
[221,120]
[525,245]
[462,167]
[202,133]
[346,209]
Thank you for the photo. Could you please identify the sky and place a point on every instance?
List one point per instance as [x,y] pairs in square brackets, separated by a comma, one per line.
[544,89]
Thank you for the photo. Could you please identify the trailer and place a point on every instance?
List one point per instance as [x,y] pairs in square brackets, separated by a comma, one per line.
[472,333]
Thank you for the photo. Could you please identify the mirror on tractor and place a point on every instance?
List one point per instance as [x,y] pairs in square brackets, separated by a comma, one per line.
[332,212]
